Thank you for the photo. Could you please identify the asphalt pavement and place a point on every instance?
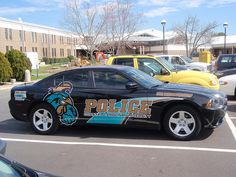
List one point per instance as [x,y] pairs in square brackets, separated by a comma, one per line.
[120,152]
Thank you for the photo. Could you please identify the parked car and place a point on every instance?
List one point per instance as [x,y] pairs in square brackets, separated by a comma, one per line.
[225,72]
[225,61]
[228,84]
[165,71]
[9,168]
[179,60]
[118,96]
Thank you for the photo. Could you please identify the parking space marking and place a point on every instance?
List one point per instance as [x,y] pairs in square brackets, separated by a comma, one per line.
[231,125]
[122,145]
[233,118]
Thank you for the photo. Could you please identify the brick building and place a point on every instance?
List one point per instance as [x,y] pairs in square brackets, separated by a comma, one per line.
[46,41]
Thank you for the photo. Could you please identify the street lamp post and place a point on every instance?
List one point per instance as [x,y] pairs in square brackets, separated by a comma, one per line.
[163,22]
[225,25]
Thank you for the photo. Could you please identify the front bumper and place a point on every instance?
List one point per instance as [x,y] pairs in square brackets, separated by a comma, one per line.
[19,110]
[214,118]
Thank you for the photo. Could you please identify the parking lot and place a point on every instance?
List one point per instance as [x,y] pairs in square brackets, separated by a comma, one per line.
[101,151]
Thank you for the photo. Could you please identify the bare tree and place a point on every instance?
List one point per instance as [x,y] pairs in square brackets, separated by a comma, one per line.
[121,22]
[86,20]
[194,35]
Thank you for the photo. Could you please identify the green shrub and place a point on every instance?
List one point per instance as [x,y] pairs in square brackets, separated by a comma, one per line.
[46,60]
[19,63]
[5,69]
[70,58]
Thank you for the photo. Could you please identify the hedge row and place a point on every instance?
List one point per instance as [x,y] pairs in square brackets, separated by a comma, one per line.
[13,65]
[56,60]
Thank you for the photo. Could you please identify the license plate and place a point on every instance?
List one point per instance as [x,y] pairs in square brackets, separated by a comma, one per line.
[20,95]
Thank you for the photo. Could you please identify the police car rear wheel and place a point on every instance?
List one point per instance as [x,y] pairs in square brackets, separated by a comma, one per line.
[44,119]
[182,123]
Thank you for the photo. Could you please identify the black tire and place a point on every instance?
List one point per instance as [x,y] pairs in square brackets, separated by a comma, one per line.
[186,127]
[49,118]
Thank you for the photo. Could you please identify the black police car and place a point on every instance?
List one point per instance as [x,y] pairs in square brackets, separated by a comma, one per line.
[116,95]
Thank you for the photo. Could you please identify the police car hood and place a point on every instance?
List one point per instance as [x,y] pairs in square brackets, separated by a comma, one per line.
[189,89]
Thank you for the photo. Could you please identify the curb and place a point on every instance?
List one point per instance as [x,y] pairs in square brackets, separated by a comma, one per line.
[10,85]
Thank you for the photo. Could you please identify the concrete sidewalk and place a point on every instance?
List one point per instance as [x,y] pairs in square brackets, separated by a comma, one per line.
[9,85]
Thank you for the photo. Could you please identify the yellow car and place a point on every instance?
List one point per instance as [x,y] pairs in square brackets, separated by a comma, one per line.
[165,71]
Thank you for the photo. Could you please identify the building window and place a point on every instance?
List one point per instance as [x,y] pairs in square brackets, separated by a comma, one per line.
[53,39]
[45,52]
[45,38]
[34,49]
[61,40]
[8,33]
[7,48]
[54,52]
[34,36]
[62,52]
[22,35]
[68,52]
[11,47]
[21,48]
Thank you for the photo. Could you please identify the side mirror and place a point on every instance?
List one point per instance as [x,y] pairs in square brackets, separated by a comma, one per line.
[164,72]
[131,86]
[152,74]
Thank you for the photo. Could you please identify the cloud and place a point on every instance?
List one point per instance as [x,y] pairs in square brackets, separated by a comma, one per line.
[19,10]
[54,3]
[160,11]
[220,2]
[163,7]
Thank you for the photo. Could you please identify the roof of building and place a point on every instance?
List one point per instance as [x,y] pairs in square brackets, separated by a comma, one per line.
[151,35]
[219,41]
[21,25]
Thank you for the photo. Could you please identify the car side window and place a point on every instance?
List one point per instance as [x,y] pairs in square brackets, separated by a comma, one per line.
[52,81]
[78,79]
[109,80]
[123,61]
[177,60]
[149,66]
[225,59]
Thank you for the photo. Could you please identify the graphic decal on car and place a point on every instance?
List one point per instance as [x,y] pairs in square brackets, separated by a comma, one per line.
[105,111]
[59,97]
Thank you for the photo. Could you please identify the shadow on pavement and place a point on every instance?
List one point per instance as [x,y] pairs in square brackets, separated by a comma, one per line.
[12,126]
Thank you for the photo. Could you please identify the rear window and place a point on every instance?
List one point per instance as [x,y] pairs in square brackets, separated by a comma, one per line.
[124,61]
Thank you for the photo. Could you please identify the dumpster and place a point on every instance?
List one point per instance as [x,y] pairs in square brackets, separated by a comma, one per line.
[205,56]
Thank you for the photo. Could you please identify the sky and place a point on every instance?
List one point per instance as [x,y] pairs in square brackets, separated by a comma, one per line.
[51,12]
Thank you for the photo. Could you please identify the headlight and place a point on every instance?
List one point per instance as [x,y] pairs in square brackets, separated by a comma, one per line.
[213,81]
[223,83]
[216,102]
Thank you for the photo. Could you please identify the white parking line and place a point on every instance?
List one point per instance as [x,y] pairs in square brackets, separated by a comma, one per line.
[123,145]
[233,118]
[231,125]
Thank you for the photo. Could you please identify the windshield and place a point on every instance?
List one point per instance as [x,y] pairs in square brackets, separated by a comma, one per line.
[167,64]
[187,59]
[143,78]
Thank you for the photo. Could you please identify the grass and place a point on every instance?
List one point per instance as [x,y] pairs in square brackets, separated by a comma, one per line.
[45,71]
